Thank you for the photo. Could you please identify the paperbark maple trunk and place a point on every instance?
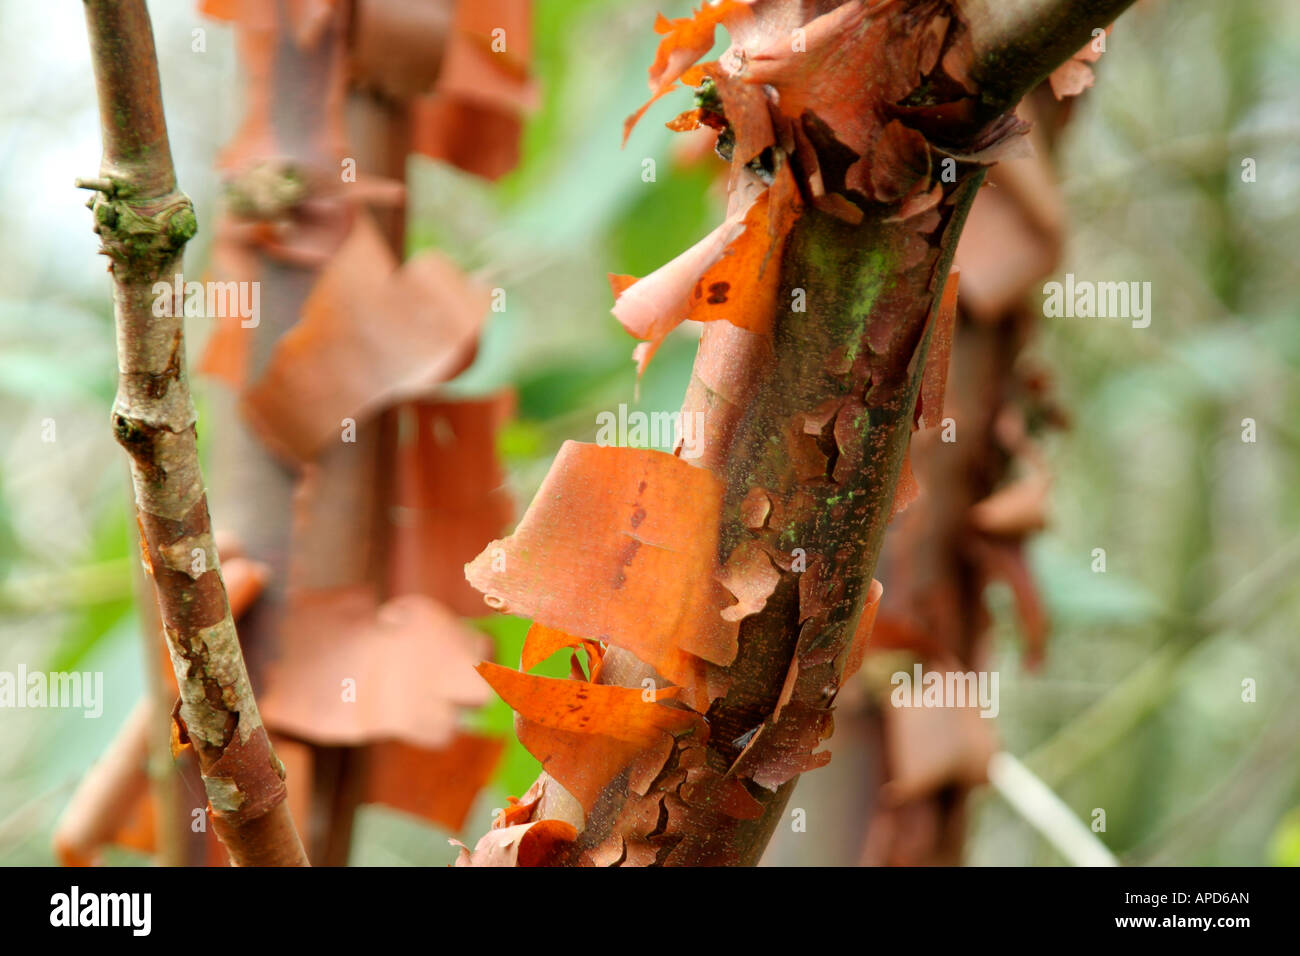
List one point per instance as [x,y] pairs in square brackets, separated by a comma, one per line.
[351,519]
[144,221]
[808,425]
[854,282]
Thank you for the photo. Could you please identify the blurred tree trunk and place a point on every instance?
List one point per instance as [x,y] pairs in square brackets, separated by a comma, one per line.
[338,103]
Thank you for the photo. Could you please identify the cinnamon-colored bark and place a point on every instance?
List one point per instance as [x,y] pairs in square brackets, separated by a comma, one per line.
[808,411]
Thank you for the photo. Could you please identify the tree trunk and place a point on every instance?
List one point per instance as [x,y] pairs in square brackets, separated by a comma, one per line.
[858,136]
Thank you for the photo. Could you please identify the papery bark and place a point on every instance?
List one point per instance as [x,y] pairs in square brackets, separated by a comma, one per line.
[807,416]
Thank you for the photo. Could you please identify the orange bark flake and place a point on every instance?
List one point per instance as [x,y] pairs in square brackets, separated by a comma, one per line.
[620,546]
[306,16]
[225,356]
[541,642]
[906,490]
[487,54]
[1016,509]
[898,167]
[438,785]
[473,116]
[351,671]
[851,57]
[370,333]
[745,110]
[750,576]
[934,380]
[1075,75]
[786,747]
[526,844]
[733,273]
[686,39]
[585,734]
[620,713]
[857,651]
[244,580]
[448,496]
[520,809]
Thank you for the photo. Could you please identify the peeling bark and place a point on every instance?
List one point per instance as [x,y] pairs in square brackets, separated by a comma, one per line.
[970,527]
[836,142]
[807,623]
[343,466]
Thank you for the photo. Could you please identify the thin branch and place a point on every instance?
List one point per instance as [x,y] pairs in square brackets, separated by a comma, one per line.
[1047,813]
[1018,43]
[143,222]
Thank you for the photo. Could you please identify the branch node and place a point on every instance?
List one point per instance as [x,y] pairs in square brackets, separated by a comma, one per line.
[143,237]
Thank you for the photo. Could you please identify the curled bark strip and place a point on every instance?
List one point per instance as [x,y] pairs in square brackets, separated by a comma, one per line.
[439,785]
[525,844]
[473,115]
[584,734]
[353,670]
[143,222]
[448,496]
[635,528]
[337,362]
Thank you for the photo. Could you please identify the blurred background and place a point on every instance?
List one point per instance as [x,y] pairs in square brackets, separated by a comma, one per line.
[1138,705]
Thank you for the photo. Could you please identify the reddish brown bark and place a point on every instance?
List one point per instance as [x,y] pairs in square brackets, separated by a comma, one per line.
[118,780]
[363,526]
[984,495]
[143,222]
[808,414]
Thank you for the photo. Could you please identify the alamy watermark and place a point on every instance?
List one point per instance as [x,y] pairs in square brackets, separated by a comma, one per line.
[61,689]
[133,911]
[640,429]
[1083,299]
[211,300]
[946,689]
